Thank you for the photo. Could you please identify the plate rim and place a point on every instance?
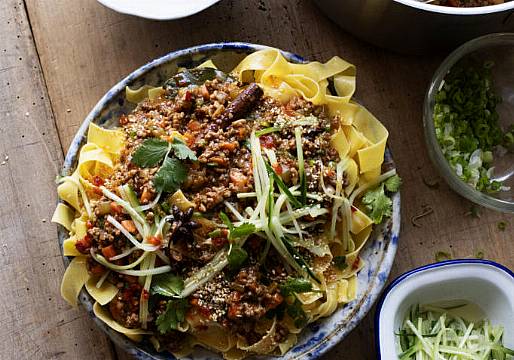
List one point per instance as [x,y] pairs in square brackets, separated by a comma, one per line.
[150,12]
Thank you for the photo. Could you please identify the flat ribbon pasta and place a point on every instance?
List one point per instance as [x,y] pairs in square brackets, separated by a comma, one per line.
[265,345]
[103,294]
[63,215]
[74,278]
[96,158]
[112,141]
[135,96]
[281,79]
[215,337]
[105,316]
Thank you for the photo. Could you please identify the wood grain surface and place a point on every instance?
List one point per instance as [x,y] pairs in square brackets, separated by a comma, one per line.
[36,322]
[85,48]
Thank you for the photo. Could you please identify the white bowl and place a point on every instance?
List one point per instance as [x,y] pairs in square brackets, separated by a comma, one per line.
[158,9]
[484,283]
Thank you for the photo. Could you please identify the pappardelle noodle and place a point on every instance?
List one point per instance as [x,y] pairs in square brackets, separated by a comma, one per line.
[227,210]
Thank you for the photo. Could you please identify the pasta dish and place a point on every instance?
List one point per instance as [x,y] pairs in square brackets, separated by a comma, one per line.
[227,210]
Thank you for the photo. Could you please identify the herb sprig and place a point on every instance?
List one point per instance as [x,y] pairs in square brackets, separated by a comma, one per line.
[172,172]
[378,205]
[236,255]
[168,285]
[175,314]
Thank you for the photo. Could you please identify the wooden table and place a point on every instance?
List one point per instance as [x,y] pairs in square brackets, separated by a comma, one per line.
[58,57]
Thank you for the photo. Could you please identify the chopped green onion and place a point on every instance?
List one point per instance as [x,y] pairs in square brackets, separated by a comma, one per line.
[466,124]
[266,131]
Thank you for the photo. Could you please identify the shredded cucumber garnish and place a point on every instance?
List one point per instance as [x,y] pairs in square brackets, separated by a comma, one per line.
[301,165]
[433,333]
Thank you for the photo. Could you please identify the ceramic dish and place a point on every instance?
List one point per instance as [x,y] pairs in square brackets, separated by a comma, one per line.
[414,27]
[484,283]
[158,9]
[378,253]
[498,48]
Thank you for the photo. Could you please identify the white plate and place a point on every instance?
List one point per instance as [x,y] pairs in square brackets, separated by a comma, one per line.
[158,9]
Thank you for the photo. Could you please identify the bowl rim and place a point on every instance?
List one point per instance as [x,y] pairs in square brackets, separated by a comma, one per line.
[389,288]
[145,9]
[434,149]
[467,11]
[390,241]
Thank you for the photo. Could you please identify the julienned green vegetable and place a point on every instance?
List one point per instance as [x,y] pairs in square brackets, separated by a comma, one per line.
[466,124]
[433,333]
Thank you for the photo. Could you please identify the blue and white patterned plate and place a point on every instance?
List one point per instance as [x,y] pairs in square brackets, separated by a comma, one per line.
[378,253]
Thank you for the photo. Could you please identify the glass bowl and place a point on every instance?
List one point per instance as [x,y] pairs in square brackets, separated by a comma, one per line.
[498,48]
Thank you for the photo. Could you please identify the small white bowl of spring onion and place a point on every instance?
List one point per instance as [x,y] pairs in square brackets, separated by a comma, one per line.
[456,309]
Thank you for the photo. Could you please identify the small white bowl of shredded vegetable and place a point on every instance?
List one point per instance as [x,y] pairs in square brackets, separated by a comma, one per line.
[456,309]
[469,127]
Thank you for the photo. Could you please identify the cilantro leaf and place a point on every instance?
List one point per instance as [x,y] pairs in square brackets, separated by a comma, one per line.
[181,151]
[378,204]
[295,285]
[236,257]
[236,231]
[296,312]
[167,285]
[226,220]
[393,183]
[241,230]
[340,262]
[175,314]
[150,152]
[170,176]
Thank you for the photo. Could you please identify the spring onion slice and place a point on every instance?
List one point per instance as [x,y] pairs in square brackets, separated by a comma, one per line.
[154,271]
[266,131]
[123,254]
[205,274]
[150,205]
[246,195]
[234,211]
[128,208]
[282,186]
[162,256]
[160,225]
[301,165]
[129,236]
[102,279]
[143,301]
[129,195]
[99,258]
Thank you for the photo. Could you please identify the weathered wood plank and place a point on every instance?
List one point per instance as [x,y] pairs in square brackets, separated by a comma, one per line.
[36,322]
[86,48]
